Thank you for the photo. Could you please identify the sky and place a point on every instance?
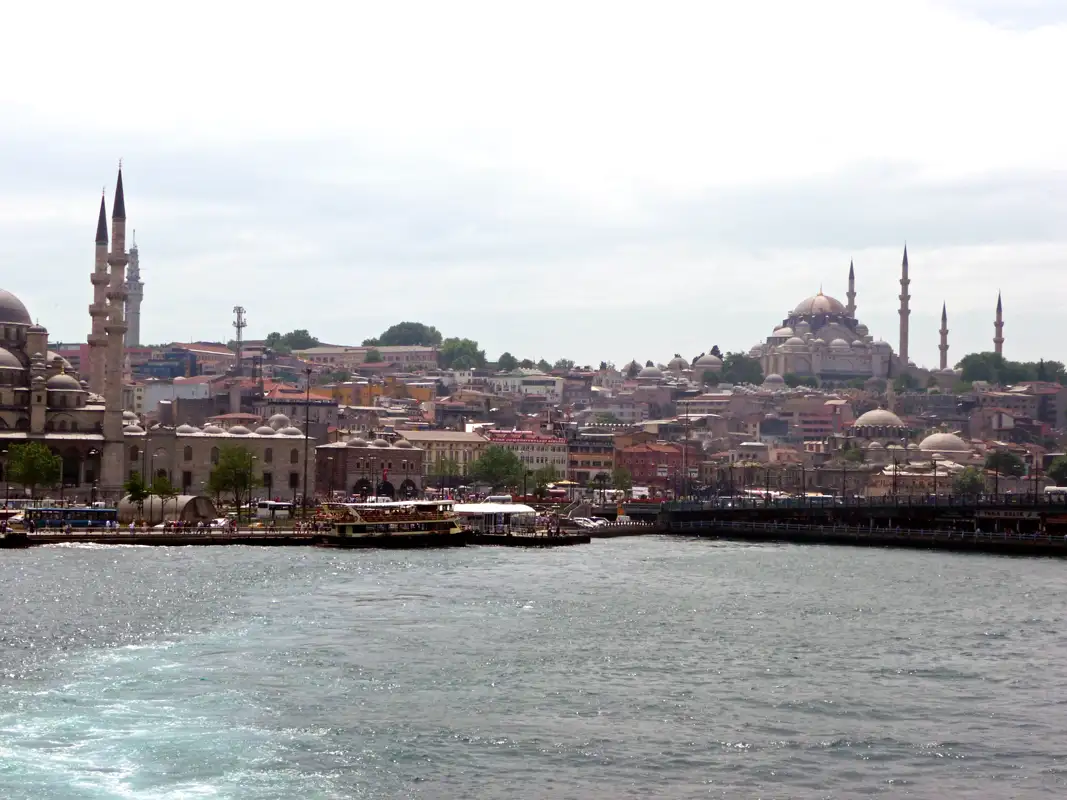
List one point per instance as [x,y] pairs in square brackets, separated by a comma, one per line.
[593,181]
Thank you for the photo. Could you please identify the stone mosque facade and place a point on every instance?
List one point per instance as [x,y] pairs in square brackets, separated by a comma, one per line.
[822,338]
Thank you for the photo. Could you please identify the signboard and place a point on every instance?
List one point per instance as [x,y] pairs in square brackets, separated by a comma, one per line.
[661,471]
[693,472]
[1010,514]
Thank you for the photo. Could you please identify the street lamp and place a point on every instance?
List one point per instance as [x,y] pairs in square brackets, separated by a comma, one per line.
[7,479]
[307,426]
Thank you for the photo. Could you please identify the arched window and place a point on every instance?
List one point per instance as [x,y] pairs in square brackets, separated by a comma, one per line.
[135,453]
[214,455]
[268,455]
[188,453]
[294,456]
[74,425]
[61,425]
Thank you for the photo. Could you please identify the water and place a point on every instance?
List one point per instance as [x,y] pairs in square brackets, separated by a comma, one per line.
[627,668]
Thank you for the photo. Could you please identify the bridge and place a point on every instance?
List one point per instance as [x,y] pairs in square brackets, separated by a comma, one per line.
[1017,524]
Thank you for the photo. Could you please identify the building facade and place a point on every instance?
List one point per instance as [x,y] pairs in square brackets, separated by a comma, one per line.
[447,453]
[362,468]
[536,451]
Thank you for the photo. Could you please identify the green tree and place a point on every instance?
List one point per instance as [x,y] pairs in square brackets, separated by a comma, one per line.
[853,455]
[233,475]
[971,481]
[710,377]
[1005,463]
[544,476]
[606,418]
[507,362]
[1057,470]
[992,368]
[741,368]
[527,363]
[543,365]
[498,467]
[564,364]
[32,464]
[337,376]
[407,334]
[373,357]
[164,490]
[299,339]
[632,370]
[460,354]
[905,382]
[621,479]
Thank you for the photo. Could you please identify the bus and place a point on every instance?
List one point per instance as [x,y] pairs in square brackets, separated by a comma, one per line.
[59,518]
[272,509]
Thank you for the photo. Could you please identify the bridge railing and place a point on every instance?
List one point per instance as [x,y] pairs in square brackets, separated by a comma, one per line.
[901,501]
[866,532]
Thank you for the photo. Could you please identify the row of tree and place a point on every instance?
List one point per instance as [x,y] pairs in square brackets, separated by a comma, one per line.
[502,469]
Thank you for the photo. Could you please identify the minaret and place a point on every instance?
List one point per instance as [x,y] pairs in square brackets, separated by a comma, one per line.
[134,295]
[112,473]
[850,307]
[944,337]
[905,312]
[98,309]
[998,325]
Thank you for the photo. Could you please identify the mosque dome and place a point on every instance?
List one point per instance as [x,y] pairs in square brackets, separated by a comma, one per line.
[795,341]
[379,443]
[357,441]
[290,431]
[404,443]
[213,429]
[264,430]
[63,381]
[186,429]
[12,311]
[875,446]
[131,428]
[129,416]
[880,418]
[239,430]
[819,304]
[278,421]
[840,344]
[677,364]
[785,331]
[708,361]
[944,443]
[862,329]
[774,380]
[857,343]
[650,372]
[9,360]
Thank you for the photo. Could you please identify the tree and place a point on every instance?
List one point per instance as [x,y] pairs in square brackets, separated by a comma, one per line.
[710,377]
[905,382]
[460,354]
[444,469]
[971,481]
[1057,470]
[32,464]
[621,479]
[543,365]
[407,334]
[853,455]
[992,368]
[372,357]
[564,364]
[1006,464]
[284,344]
[544,476]
[337,376]
[526,363]
[606,418]
[741,368]
[632,370]
[164,490]
[498,467]
[507,362]
[791,379]
[233,474]
[135,488]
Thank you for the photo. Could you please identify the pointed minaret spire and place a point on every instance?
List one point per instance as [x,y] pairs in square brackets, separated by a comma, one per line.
[119,212]
[101,223]
[850,306]
[998,326]
[944,337]
[905,312]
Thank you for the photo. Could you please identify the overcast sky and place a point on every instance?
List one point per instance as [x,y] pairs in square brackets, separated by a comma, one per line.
[584,180]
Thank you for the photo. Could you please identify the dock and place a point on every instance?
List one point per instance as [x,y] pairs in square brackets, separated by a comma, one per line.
[173,538]
[527,540]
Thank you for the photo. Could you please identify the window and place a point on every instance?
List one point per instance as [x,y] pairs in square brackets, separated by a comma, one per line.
[187,480]
[188,454]
[294,456]
[268,455]
[294,480]
[214,455]
[135,453]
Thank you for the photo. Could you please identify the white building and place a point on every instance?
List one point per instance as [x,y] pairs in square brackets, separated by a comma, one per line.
[535,450]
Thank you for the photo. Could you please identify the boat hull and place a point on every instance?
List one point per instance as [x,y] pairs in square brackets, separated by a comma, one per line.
[393,541]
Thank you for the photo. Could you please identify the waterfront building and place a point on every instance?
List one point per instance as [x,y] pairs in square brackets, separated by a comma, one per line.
[589,454]
[374,467]
[535,450]
[413,358]
[444,450]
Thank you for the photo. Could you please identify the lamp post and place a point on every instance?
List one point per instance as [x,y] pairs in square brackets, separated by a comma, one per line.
[7,480]
[329,464]
[307,424]
[933,460]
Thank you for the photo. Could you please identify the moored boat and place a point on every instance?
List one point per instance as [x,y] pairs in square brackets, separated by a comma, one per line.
[401,524]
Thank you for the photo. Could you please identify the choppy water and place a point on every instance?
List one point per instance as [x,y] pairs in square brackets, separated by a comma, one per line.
[626,668]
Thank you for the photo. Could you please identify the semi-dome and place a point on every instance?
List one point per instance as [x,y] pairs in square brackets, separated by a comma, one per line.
[265,430]
[186,429]
[278,421]
[879,418]
[63,382]
[944,443]
[650,372]
[290,431]
[357,441]
[819,304]
[12,311]
[239,430]
[9,360]
[213,429]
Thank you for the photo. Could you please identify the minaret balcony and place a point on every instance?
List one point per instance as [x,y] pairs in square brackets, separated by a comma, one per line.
[97,340]
[100,279]
[115,327]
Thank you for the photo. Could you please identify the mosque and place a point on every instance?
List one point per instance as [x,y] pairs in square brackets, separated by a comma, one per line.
[822,338]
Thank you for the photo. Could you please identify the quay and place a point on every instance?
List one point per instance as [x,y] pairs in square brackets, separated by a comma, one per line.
[527,540]
[173,538]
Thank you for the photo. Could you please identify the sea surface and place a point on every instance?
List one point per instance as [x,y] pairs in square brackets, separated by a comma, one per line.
[627,668]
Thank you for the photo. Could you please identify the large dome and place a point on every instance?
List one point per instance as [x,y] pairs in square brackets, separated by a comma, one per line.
[708,360]
[12,311]
[650,372]
[944,443]
[879,417]
[819,304]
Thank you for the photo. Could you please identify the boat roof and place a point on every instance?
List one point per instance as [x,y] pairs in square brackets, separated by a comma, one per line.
[396,504]
[477,509]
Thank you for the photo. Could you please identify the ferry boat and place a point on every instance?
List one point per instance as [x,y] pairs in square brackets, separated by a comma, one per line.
[395,524]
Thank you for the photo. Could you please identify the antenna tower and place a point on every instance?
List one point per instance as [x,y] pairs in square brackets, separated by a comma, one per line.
[239,325]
